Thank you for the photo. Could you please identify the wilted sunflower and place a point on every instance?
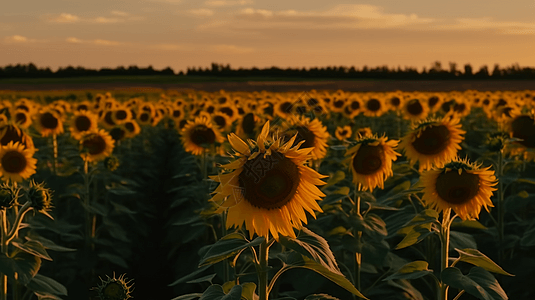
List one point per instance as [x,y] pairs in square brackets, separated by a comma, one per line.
[48,122]
[370,161]
[82,122]
[96,145]
[16,162]
[312,132]
[343,133]
[433,142]
[459,185]
[270,188]
[200,135]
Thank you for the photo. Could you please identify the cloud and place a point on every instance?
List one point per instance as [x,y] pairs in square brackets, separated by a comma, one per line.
[167,47]
[201,12]
[219,3]
[16,39]
[119,13]
[256,12]
[231,49]
[64,18]
[479,24]
[104,20]
[99,42]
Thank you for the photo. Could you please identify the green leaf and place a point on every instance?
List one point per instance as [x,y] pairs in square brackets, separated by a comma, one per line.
[342,191]
[207,278]
[24,264]
[34,248]
[215,292]
[296,260]
[189,276]
[412,270]
[426,216]
[528,238]
[374,225]
[47,244]
[40,283]
[226,247]
[468,224]
[461,240]
[335,178]
[321,297]
[479,283]
[248,291]
[311,245]
[415,235]
[479,259]
[114,259]
[188,296]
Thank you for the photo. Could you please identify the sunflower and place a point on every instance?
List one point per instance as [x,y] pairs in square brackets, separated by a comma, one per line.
[199,135]
[312,132]
[121,114]
[459,185]
[343,133]
[433,142]
[374,105]
[370,161]
[16,162]
[22,118]
[81,122]
[12,133]
[96,145]
[132,129]
[414,109]
[364,132]
[48,122]
[248,126]
[270,188]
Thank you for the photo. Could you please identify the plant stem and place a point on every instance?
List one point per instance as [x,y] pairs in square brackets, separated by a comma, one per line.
[445,239]
[87,202]
[55,146]
[358,235]
[501,208]
[263,271]
[3,279]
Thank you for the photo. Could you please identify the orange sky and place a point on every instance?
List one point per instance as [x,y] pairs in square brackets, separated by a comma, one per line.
[246,33]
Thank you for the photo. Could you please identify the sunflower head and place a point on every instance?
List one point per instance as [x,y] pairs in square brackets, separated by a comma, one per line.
[460,185]
[200,135]
[343,133]
[497,141]
[270,188]
[433,142]
[39,196]
[370,161]
[114,288]
[96,145]
[16,162]
[111,163]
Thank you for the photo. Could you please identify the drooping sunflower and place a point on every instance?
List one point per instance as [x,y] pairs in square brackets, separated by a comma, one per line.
[48,122]
[343,133]
[200,135]
[370,161]
[270,188]
[96,145]
[16,162]
[312,132]
[460,185]
[433,142]
[82,122]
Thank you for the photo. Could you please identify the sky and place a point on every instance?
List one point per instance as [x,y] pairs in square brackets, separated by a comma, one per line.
[265,33]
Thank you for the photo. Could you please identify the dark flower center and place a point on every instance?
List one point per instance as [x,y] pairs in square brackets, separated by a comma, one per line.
[82,123]
[227,111]
[220,121]
[457,189]
[432,140]
[432,101]
[373,105]
[202,135]
[14,162]
[95,144]
[120,115]
[414,107]
[20,118]
[395,101]
[117,133]
[523,127]
[49,121]
[339,103]
[303,134]
[368,159]
[248,124]
[355,105]
[269,182]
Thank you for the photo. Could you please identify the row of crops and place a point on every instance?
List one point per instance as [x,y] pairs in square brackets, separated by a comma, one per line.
[235,195]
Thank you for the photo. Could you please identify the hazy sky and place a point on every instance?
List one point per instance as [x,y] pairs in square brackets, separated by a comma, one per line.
[263,33]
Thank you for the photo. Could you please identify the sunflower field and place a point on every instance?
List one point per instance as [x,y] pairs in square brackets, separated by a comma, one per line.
[261,195]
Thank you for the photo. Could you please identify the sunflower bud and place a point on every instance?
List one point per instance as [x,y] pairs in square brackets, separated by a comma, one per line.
[111,163]
[39,196]
[114,288]
[8,196]
[497,141]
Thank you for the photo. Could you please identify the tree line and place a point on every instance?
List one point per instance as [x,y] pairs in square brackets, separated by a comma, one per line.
[436,71]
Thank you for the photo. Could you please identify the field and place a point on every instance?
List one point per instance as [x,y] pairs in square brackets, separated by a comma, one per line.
[254,190]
